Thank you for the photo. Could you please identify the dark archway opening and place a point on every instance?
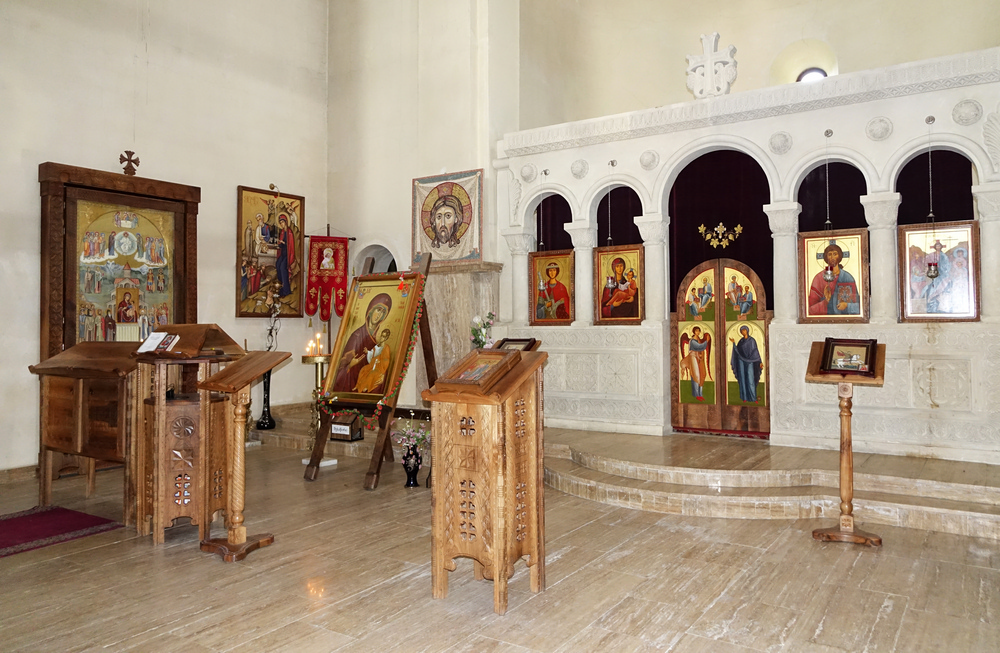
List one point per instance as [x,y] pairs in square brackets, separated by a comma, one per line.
[847,185]
[624,205]
[725,187]
[552,213]
[952,174]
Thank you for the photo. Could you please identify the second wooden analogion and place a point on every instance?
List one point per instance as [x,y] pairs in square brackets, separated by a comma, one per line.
[488,502]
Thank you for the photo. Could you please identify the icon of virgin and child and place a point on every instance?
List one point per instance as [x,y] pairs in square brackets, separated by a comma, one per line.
[364,364]
[618,299]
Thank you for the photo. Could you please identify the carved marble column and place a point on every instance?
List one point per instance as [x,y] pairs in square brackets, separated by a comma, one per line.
[653,228]
[881,210]
[584,240]
[520,244]
[783,218]
[988,202]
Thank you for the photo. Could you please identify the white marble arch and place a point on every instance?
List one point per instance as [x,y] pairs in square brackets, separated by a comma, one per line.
[705,145]
[817,158]
[958,143]
[939,399]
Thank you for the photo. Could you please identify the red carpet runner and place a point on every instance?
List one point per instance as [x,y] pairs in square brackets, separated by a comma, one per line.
[40,527]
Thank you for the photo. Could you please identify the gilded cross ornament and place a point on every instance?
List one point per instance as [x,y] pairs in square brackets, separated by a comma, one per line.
[720,236]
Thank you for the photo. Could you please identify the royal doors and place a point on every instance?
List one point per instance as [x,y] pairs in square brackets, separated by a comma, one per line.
[719,366]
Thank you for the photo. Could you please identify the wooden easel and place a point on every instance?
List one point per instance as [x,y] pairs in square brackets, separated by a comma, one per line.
[845,531]
[383,444]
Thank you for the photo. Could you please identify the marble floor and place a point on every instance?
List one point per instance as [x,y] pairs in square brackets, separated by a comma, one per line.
[350,571]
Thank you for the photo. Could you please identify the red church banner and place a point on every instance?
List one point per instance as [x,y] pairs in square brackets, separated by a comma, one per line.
[327,284]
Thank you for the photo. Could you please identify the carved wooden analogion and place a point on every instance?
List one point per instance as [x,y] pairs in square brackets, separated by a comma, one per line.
[182,458]
[488,500]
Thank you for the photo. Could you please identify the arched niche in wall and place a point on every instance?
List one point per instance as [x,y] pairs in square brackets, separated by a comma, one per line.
[615,213]
[384,261]
[551,214]
[846,186]
[721,187]
[953,177]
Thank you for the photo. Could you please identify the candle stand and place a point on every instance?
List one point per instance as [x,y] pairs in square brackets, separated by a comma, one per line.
[320,362]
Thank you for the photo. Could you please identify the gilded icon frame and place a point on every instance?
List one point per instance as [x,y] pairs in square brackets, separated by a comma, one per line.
[952,296]
[270,260]
[552,304]
[817,303]
[621,300]
[357,347]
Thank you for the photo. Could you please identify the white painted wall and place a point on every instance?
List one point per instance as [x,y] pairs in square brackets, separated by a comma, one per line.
[211,94]
[417,88]
[588,58]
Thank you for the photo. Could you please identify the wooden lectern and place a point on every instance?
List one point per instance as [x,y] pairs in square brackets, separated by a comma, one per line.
[235,381]
[818,371]
[90,407]
[182,460]
[486,443]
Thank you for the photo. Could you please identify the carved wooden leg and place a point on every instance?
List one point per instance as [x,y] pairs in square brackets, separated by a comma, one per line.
[45,477]
[500,587]
[439,575]
[90,467]
[845,531]
[237,545]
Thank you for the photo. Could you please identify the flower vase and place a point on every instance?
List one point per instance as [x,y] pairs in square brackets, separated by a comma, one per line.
[411,463]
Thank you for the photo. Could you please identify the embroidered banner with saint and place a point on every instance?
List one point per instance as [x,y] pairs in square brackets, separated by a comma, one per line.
[327,285]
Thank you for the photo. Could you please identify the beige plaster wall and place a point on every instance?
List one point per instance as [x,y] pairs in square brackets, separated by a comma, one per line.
[211,94]
[417,88]
[588,58]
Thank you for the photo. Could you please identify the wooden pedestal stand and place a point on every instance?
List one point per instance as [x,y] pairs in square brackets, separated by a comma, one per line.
[488,490]
[235,381]
[383,444]
[845,531]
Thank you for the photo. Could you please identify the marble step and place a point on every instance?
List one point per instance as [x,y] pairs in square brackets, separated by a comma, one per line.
[775,478]
[783,500]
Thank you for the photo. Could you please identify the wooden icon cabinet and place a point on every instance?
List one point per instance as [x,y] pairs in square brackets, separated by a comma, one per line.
[487,478]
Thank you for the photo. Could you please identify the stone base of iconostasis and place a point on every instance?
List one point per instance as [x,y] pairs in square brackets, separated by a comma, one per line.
[941,381]
[455,294]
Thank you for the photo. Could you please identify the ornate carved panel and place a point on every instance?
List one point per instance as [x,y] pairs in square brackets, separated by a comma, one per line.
[603,374]
[939,393]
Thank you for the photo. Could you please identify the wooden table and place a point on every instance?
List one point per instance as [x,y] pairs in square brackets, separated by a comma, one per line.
[90,407]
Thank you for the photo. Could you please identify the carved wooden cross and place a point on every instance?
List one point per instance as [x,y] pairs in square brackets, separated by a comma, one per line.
[129,161]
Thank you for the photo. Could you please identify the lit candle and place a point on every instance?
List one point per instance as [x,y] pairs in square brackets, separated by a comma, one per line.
[309,349]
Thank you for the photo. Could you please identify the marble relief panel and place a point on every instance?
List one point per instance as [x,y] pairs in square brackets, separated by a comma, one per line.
[937,397]
[603,374]
[943,384]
